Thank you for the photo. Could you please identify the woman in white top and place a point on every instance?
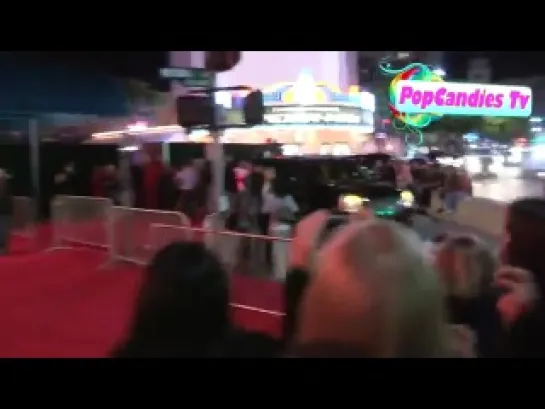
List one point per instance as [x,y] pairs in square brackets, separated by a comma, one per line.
[277,206]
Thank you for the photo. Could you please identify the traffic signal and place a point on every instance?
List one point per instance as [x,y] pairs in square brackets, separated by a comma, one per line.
[194,110]
[220,61]
[254,108]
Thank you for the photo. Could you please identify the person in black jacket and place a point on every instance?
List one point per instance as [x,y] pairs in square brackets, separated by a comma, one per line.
[6,211]
[183,310]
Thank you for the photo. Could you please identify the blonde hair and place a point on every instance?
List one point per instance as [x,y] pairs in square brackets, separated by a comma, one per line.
[381,268]
[466,266]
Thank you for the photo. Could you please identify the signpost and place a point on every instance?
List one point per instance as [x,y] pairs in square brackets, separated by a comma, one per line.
[188,77]
[194,111]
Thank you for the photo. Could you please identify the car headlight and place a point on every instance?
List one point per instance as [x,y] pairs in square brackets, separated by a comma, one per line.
[406,198]
[351,203]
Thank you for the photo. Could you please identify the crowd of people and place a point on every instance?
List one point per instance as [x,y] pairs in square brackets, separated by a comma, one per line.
[362,288]
[356,286]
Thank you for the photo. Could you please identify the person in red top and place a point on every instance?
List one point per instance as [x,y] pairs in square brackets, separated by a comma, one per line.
[153,170]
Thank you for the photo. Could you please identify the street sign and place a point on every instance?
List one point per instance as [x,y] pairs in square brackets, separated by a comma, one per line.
[189,77]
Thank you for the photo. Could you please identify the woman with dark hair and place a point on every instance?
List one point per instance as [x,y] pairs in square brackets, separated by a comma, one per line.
[524,269]
[183,306]
[183,310]
[524,235]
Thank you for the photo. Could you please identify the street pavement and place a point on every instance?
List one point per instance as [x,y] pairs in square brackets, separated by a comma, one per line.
[428,228]
[506,188]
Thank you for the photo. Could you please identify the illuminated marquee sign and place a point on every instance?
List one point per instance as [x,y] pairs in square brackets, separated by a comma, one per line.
[316,114]
[306,91]
[306,102]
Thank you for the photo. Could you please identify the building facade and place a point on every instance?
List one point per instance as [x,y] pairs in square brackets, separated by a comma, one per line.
[260,69]
[313,102]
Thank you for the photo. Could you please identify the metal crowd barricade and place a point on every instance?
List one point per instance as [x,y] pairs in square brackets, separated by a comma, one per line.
[131,237]
[80,220]
[24,217]
[239,252]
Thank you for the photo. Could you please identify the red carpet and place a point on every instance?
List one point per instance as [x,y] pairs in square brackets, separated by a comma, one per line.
[60,304]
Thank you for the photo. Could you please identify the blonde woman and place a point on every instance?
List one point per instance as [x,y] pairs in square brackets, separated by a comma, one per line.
[372,294]
[466,267]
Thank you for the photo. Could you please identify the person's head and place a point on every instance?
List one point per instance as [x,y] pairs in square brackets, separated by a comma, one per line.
[466,265]
[183,304]
[374,292]
[269,173]
[524,235]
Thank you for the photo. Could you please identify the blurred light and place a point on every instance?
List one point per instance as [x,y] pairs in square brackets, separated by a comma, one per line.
[536,129]
[131,148]
[473,164]
[151,130]
[535,119]
[138,126]
[440,72]
[424,150]
[406,198]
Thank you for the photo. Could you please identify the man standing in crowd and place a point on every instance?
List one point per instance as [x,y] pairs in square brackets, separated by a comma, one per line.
[153,169]
[187,179]
[6,211]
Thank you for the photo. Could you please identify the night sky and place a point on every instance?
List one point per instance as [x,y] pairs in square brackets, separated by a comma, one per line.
[145,64]
[505,64]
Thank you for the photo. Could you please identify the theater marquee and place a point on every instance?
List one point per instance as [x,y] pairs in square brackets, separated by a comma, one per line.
[307,102]
[317,114]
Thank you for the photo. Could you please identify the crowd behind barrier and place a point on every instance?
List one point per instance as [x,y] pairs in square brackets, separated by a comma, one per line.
[133,234]
[239,252]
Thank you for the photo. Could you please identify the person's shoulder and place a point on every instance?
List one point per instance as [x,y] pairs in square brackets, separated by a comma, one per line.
[526,338]
[249,344]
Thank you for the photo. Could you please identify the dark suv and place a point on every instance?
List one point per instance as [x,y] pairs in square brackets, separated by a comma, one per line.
[318,183]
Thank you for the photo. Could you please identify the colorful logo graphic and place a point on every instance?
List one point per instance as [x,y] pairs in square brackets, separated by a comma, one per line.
[411,123]
[419,96]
